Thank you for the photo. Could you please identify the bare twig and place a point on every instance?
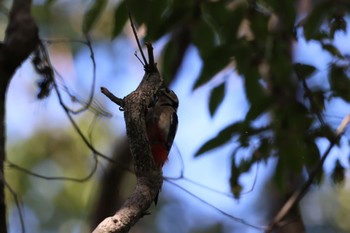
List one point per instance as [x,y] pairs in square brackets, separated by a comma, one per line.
[64,178]
[113,98]
[299,194]
[15,197]
[145,63]
[240,220]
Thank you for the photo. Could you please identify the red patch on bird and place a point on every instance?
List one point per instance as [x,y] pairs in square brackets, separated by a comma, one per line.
[160,154]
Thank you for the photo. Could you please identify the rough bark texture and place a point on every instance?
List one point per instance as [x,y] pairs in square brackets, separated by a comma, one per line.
[20,40]
[149,177]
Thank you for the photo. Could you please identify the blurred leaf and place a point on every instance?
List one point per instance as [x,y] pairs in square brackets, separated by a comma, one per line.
[304,70]
[253,88]
[120,18]
[318,103]
[236,187]
[314,21]
[332,50]
[154,19]
[340,83]
[263,152]
[337,22]
[286,11]
[200,31]
[217,60]
[221,17]
[338,173]
[50,2]
[174,52]
[223,137]
[258,107]
[312,158]
[92,14]
[216,97]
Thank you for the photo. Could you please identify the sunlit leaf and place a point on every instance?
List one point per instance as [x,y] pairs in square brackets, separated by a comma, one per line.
[93,14]
[120,18]
[223,137]
[304,70]
[216,97]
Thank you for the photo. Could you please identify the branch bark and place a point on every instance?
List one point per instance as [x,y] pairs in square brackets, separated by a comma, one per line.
[299,194]
[149,177]
[21,39]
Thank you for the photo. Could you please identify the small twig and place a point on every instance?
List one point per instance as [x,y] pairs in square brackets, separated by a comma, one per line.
[299,194]
[79,180]
[136,37]
[113,98]
[240,220]
[14,194]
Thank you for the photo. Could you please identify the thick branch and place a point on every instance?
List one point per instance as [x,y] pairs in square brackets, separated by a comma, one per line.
[149,177]
[21,38]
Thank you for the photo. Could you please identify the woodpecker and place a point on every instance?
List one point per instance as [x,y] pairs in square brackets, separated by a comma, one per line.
[161,124]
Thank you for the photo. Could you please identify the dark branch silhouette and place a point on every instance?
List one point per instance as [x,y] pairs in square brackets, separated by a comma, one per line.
[21,39]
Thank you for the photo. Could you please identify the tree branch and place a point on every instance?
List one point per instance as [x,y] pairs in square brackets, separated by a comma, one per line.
[149,177]
[21,39]
[299,194]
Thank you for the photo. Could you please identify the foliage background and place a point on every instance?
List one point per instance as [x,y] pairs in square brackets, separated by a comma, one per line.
[249,105]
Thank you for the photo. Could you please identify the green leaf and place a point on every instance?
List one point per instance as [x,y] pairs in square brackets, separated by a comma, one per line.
[340,82]
[254,90]
[173,54]
[200,31]
[257,108]
[312,157]
[318,101]
[314,21]
[92,14]
[304,70]
[332,50]
[217,60]
[223,137]
[220,17]
[120,18]
[216,97]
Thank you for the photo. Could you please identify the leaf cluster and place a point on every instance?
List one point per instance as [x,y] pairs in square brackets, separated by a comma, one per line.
[256,39]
